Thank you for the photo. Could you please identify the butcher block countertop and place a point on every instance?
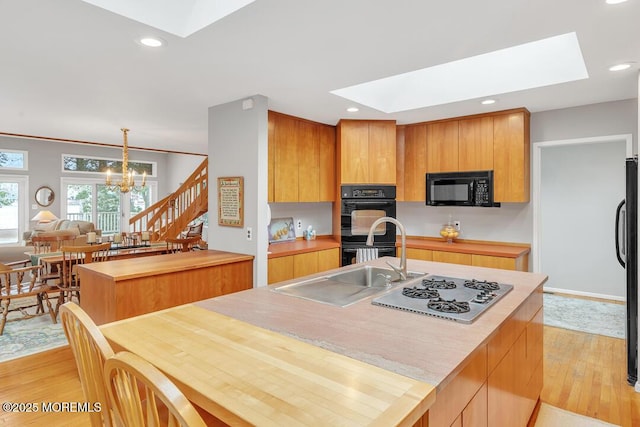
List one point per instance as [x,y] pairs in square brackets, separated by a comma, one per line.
[425,348]
[300,246]
[162,264]
[477,248]
[245,375]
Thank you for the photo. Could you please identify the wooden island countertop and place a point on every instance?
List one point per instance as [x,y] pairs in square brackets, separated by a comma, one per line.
[435,351]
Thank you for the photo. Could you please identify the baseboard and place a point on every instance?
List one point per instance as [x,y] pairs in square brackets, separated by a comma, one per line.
[583,294]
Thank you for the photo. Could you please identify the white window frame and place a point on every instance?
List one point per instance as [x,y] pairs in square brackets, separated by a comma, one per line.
[25,155]
[125,213]
[114,173]
[23,206]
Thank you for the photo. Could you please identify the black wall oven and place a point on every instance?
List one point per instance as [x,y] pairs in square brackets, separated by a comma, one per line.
[361,205]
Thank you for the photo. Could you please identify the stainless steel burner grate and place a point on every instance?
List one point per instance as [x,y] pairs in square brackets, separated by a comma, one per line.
[481,285]
[452,306]
[420,293]
[438,283]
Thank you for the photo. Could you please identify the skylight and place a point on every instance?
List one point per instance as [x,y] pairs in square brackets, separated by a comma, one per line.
[181,18]
[536,64]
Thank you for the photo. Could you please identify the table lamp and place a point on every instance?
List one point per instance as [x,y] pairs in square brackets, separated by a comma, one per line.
[44,216]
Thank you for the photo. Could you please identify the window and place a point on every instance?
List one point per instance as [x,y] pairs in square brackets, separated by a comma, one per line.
[72,163]
[13,160]
[13,208]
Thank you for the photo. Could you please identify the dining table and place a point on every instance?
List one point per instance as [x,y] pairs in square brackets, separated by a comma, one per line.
[243,374]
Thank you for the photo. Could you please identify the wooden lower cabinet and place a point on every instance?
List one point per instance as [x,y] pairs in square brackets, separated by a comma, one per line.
[502,382]
[452,257]
[517,264]
[289,267]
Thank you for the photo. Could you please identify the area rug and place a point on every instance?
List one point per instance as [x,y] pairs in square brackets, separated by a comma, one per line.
[550,416]
[28,336]
[583,315]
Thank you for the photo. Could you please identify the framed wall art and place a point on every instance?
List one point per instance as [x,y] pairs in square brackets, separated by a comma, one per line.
[231,201]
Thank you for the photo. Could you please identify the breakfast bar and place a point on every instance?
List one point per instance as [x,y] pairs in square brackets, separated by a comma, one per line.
[125,288]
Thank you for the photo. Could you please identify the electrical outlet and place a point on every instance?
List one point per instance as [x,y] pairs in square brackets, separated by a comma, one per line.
[249,233]
[457,225]
[299,224]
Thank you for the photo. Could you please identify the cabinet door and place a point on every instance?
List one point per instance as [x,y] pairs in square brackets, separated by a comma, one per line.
[511,157]
[415,162]
[327,191]
[285,159]
[493,262]
[416,253]
[328,259]
[308,146]
[382,152]
[271,157]
[354,152]
[279,269]
[305,264]
[475,145]
[442,146]
[452,257]
[475,414]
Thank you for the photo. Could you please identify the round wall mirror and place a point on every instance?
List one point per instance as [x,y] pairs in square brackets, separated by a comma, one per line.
[45,196]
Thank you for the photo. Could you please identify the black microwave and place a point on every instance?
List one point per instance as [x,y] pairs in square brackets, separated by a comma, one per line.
[461,189]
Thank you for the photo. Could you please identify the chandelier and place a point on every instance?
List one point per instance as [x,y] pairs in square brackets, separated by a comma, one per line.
[128,183]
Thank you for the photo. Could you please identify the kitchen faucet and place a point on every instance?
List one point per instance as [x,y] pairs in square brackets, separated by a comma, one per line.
[402,270]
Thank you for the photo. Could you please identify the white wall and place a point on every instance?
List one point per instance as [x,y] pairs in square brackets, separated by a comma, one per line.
[179,167]
[238,147]
[580,187]
[317,215]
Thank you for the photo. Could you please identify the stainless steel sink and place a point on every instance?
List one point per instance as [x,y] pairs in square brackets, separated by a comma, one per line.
[345,287]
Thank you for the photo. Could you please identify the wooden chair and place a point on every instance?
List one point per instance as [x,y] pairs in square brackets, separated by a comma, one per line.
[193,231]
[72,256]
[19,284]
[139,394]
[44,244]
[90,350]
[182,245]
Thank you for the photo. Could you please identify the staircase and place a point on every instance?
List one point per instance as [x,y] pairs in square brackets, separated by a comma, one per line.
[171,215]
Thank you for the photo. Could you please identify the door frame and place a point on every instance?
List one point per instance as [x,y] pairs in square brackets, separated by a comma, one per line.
[537,181]
[23,205]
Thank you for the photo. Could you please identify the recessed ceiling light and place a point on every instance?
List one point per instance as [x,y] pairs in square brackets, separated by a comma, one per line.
[620,67]
[353,109]
[151,41]
[488,102]
[615,1]
[531,65]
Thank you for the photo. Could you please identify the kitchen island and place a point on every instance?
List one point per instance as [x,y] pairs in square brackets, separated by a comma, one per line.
[486,373]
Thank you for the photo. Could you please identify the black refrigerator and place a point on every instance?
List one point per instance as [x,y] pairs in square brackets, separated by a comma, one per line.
[627,251]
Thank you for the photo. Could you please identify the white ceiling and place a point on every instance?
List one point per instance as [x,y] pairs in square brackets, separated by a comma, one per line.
[72,70]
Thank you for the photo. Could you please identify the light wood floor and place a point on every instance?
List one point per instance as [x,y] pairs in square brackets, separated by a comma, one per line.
[583,373]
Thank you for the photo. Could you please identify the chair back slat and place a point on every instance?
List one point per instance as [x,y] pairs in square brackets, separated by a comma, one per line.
[90,350]
[72,256]
[138,393]
[43,244]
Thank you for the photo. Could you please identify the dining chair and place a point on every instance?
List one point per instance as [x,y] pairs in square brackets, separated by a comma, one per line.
[72,256]
[90,350]
[181,244]
[141,395]
[45,244]
[21,285]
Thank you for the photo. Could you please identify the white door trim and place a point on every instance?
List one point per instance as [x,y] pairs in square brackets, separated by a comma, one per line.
[536,170]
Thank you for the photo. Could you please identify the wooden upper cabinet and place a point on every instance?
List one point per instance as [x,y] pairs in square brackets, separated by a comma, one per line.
[442,146]
[301,160]
[327,164]
[285,160]
[475,144]
[382,152]
[308,167]
[415,164]
[511,153]
[367,151]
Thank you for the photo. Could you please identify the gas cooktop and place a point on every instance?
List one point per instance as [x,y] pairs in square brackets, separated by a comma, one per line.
[461,300]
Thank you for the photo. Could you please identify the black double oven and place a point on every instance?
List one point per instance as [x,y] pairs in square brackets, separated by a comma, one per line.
[360,206]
